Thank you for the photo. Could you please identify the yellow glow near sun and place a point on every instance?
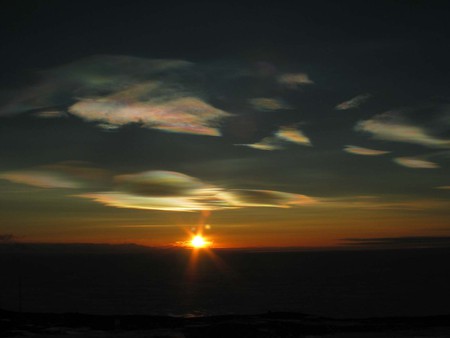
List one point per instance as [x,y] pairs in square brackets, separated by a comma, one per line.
[199,242]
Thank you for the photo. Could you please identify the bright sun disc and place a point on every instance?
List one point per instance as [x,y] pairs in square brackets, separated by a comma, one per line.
[198,242]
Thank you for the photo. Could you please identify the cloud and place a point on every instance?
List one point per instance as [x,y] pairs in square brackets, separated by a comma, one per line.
[51,114]
[268,104]
[415,163]
[94,76]
[187,115]
[267,143]
[391,127]
[63,175]
[354,102]
[400,242]
[269,198]
[364,151]
[114,91]
[293,80]
[173,191]
[386,203]
[291,134]
[444,187]
[281,136]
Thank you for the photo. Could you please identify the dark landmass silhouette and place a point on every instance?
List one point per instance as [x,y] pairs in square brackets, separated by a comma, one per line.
[267,325]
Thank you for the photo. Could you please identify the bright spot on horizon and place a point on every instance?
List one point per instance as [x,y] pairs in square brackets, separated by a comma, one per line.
[199,242]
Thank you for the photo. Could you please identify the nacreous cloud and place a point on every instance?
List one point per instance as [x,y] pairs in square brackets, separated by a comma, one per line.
[415,163]
[282,135]
[117,90]
[354,102]
[172,191]
[291,134]
[187,115]
[69,175]
[267,104]
[364,151]
[390,127]
[293,80]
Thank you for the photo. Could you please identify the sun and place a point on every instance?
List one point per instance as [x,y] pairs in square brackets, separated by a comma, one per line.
[199,242]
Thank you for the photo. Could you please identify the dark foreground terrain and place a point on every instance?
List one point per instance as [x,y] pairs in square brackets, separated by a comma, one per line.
[272,324]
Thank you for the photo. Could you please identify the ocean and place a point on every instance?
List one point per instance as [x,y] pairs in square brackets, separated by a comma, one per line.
[341,284]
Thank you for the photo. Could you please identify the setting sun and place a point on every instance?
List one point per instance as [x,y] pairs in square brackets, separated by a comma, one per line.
[199,242]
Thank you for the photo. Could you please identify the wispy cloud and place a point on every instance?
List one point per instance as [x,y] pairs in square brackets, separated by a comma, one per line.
[400,242]
[416,163]
[364,151]
[187,115]
[69,175]
[268,104]
[293,80]
[354,102]
[173,191]
[294,135]
[282,136]
[117,90]
[391,127]
[444,187]
[268,143]
[383,203]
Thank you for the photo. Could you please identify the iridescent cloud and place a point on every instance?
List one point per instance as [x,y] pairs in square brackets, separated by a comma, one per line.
[267,143]
[282,135]
[40,179]
[187,115]
[415,163]
[294,135]
[354,102]
[269,198]
[69,175]
[117,90]
[390,127]
[268,104]
[364,151]
[92,77]
[293,80]
[172,191]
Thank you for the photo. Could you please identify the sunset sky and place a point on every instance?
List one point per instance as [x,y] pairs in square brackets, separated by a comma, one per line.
[318,124]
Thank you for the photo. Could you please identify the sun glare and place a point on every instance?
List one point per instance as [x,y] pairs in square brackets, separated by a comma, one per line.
[198,242]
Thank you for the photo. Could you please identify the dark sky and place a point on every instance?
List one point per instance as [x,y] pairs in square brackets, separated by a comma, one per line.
[277,124]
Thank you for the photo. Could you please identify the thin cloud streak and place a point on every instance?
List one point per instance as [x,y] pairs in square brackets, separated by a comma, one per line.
[282,136]
[267,104]
[188,115]
[364,151]
[62,175]
[172,191]
[390,127]
[415,163]
[294,80]
[353,103]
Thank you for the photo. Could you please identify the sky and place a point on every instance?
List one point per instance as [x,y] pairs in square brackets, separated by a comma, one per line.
[260,124]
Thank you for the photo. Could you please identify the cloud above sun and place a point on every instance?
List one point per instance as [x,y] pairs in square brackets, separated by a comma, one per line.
[173,191]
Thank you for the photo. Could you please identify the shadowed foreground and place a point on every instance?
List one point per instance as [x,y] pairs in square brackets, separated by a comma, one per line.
[272,324]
